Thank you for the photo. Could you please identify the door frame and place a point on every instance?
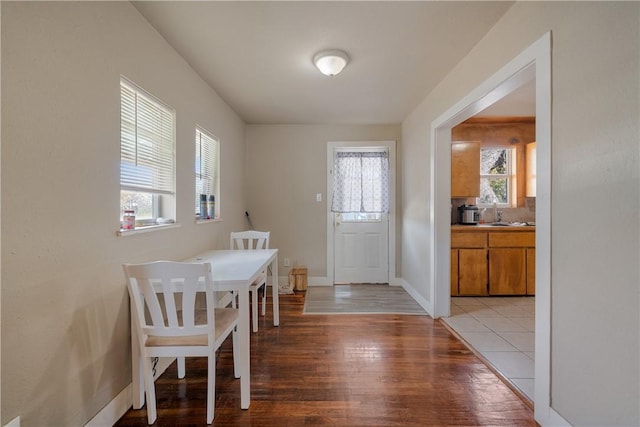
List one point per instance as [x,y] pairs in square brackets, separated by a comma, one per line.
[391,146]
[533,62]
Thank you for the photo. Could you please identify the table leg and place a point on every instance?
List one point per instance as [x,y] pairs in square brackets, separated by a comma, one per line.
[275,293]
[244,348]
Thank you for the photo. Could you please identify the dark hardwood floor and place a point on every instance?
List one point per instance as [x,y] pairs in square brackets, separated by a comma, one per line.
[343,370]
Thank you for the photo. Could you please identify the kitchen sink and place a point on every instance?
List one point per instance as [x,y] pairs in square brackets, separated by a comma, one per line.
[511,224]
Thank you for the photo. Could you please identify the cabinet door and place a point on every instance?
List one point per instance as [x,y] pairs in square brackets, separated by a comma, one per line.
[472,271]
[454,272]
[465,169]
[507,271]
[531,271]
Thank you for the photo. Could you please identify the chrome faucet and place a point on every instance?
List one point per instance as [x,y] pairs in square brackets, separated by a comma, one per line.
[499,216]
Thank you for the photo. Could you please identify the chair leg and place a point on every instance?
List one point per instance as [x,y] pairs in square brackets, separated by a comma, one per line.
[254,309]
[236,351]
[236,354]
[211,387]
[264,299]
[181,369]
[149,389]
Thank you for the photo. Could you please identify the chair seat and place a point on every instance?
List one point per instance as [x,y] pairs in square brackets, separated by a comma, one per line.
[225,317]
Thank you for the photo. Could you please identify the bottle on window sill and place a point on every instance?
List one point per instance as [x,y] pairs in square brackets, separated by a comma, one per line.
[203,206]
[129,220]
[211,205]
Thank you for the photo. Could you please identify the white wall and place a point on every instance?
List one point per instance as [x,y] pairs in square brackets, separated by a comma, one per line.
[65,319]
[595,325]
[286,166]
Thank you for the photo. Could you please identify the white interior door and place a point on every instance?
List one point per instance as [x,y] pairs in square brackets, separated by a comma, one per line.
[361,248]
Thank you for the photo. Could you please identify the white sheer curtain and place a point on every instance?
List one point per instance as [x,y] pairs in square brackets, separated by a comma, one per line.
[361,182]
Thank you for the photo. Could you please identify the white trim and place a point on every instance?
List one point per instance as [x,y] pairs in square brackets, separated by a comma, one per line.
[114,410]
[533,62]
[147,229]
[391,146]
[14,422]
[207,221]
[426,305]
[120,404]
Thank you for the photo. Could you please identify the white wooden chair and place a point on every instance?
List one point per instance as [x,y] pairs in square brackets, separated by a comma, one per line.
[173,326]
[253,240]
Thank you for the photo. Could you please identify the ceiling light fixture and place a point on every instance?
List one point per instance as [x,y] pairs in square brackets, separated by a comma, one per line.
[331,62]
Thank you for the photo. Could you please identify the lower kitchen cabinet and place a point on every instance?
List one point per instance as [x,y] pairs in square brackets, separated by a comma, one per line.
[472,271]
[454,273]
[531,271]
[492,262]
[507,271]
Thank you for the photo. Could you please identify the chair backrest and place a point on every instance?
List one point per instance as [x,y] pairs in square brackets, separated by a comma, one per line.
[249,240]
[175,313]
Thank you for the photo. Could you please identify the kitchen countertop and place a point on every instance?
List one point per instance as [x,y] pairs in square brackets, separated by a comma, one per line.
[489,227]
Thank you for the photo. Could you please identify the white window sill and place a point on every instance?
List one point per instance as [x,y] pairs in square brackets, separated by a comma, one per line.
[207,221]
[148,229]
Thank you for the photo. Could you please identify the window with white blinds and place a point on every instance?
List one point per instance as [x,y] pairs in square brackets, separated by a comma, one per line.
[147,153]
[207,176]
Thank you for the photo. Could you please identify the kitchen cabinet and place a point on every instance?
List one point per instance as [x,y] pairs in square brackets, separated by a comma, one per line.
[507,271]
[488,260]
[465,169]
[454,273]
[469,260]
[508,262]
[531,271]
[472,271]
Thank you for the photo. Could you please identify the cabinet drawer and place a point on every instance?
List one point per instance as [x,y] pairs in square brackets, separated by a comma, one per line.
[512,239]
[468,240]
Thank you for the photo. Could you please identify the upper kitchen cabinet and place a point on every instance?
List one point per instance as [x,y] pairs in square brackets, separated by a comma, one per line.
[465,169]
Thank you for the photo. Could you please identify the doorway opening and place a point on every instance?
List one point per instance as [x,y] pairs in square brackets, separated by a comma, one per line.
[493,281]
[533,63]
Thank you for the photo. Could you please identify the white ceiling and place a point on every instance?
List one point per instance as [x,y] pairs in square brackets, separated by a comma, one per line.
[257,55]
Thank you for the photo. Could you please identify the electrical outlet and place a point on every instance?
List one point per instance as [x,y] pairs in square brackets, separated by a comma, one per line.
[287,262]
[318,197]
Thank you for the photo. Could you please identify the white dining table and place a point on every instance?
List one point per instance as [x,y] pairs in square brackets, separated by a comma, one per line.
[233,270]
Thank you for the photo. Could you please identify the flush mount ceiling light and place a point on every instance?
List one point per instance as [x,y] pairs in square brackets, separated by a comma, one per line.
[331,62]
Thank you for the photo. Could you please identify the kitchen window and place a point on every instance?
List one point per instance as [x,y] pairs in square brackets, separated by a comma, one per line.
[497,177]
[207,173]
[147,156]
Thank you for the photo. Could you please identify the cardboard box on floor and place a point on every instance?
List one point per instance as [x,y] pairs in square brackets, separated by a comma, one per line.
[298,278]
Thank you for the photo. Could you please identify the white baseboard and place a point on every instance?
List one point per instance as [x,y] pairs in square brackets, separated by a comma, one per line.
[319,281]
[115,409]
[550,418]
[428,306]
[14,422]
[311,281]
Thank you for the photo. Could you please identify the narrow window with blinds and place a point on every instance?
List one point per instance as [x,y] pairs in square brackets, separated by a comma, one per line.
[147,157]
[207,175]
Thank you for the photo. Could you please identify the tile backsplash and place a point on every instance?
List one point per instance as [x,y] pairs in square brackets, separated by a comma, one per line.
[524,214]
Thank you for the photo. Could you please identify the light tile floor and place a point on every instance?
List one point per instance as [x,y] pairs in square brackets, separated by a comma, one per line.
[502,329]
